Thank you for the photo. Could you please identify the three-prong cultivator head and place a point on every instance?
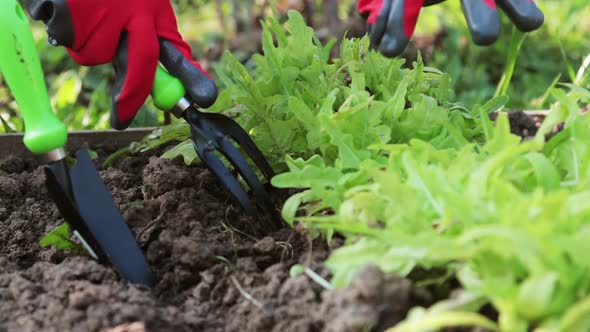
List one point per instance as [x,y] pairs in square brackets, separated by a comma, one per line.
[213,135]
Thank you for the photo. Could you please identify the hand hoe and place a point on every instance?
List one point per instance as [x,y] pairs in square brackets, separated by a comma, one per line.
[80,194]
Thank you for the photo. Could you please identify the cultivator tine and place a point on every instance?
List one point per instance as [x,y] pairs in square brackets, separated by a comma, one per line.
[206,152]
[230,128]
[241,165]
[208,138]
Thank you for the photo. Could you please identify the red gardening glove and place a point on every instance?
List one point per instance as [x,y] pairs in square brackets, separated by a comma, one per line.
[128,34]
[392,22]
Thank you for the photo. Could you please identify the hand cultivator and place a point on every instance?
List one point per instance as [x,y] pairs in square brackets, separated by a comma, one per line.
[177,89]
[81,196]
[211,132]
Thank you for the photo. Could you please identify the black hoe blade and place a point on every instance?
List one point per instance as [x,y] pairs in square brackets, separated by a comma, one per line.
[93,213]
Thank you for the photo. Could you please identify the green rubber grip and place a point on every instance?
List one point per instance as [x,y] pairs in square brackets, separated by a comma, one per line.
[167,90]
[21,68]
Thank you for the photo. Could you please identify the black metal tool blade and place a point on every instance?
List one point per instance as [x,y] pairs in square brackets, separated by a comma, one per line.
[210,131]
[206,153]
[230,128]
[86,204]
[59,187]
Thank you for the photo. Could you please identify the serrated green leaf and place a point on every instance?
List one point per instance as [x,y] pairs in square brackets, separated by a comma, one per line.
[60,238]
[185,149]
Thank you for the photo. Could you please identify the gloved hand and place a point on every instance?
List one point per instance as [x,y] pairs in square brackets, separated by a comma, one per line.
[392,22]
[126,33]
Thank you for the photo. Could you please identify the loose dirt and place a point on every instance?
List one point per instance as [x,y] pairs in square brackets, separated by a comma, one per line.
[217,270]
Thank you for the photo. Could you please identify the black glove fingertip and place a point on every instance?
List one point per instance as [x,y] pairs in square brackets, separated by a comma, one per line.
[57,18]
[483,21]
[428,3]
[485,35]
[377,29]
[394,40]
[199,87]
[120,64]
[393,47]
[524,13]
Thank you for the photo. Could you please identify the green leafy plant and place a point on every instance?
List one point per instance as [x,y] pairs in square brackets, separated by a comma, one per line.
[60,238]
[384,156]
[507,217]
[299,102]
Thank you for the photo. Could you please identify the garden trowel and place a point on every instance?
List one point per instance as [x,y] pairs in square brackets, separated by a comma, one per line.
[79,192]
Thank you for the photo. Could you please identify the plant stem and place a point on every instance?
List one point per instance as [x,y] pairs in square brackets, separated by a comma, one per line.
[246,295]
[318,279]
[515,44]
[111,159]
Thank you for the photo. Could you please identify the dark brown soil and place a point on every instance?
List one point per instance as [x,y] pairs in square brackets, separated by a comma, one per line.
[521,124]
[216,270]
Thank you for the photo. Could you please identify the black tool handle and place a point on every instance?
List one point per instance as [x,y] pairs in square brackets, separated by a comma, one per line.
[199,86]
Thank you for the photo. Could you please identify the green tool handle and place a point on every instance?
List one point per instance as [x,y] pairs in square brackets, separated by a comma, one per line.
[21,68]
[167,90]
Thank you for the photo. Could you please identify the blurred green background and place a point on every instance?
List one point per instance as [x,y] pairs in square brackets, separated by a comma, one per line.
[81,95]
